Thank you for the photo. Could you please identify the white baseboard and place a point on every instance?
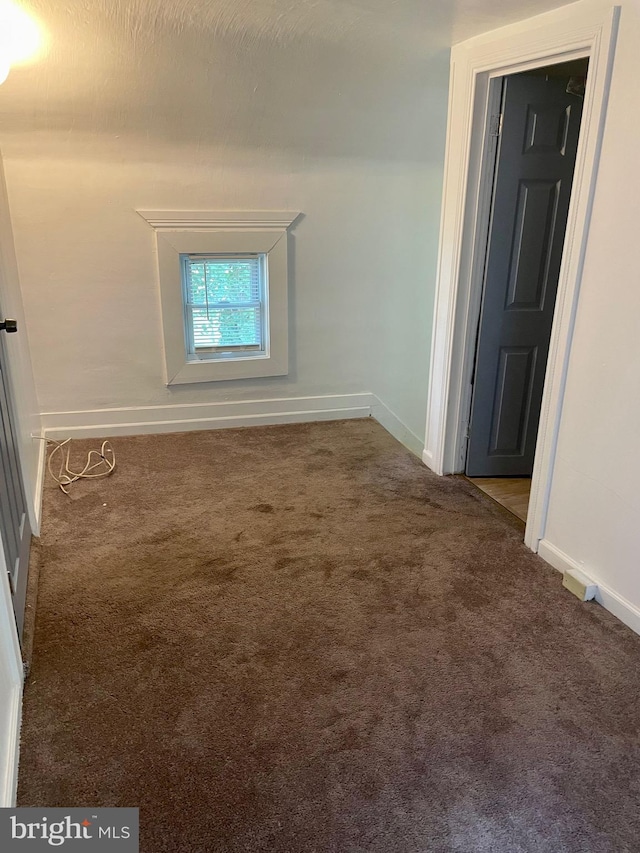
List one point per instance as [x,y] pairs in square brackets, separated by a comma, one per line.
[622,609]
[392,423]
[194,416]
[141,420]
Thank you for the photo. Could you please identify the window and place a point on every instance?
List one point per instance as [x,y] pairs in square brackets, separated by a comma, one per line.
[223,292]
[225,307]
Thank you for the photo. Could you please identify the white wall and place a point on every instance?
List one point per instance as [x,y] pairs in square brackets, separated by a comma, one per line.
[19,365]
[595,500]
[406,301]
[343,120]
[90,279]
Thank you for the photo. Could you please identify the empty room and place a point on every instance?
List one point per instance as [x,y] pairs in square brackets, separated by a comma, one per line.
[318,403]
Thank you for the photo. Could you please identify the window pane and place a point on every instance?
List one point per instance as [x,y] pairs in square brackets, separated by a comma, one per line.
[196,283]
[226,327]
[224,280]
[225,304]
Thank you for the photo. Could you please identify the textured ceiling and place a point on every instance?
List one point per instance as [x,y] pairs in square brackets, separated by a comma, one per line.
[324,77]
[285,20]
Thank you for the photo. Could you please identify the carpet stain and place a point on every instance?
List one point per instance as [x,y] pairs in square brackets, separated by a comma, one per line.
[367,660]
[263,508]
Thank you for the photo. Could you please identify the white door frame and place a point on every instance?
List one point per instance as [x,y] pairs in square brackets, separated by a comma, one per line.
[584,29]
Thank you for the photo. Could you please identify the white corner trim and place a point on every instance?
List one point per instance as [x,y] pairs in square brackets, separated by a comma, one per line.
[622,609]
[9,779]
[145,420]
[218,219]
[393,425]
[579,29]
[38,488]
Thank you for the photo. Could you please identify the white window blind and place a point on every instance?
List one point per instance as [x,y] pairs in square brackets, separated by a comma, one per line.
[224,305]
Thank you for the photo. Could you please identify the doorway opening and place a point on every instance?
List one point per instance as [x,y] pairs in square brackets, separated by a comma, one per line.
[478,65]
[529,161]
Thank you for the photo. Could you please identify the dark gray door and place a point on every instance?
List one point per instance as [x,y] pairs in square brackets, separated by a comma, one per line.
[14,520]
[532,188]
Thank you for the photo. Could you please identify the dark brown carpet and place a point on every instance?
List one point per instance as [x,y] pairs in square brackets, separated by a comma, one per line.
[297,640]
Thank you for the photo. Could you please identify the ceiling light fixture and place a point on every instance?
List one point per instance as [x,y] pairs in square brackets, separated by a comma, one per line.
[21,37]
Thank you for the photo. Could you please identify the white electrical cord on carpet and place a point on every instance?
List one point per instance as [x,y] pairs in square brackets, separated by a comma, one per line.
[66,476]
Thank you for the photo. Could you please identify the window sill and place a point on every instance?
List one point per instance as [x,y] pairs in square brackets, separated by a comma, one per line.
[212,370]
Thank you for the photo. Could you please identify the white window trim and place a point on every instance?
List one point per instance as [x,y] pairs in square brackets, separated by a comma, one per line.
[221,232]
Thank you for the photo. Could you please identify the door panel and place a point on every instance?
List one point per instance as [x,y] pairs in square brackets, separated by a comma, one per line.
[532,189]
[14,519]
[516,368]
[536,214]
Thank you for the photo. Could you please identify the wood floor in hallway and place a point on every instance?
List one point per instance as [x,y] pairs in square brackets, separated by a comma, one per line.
[510,492]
